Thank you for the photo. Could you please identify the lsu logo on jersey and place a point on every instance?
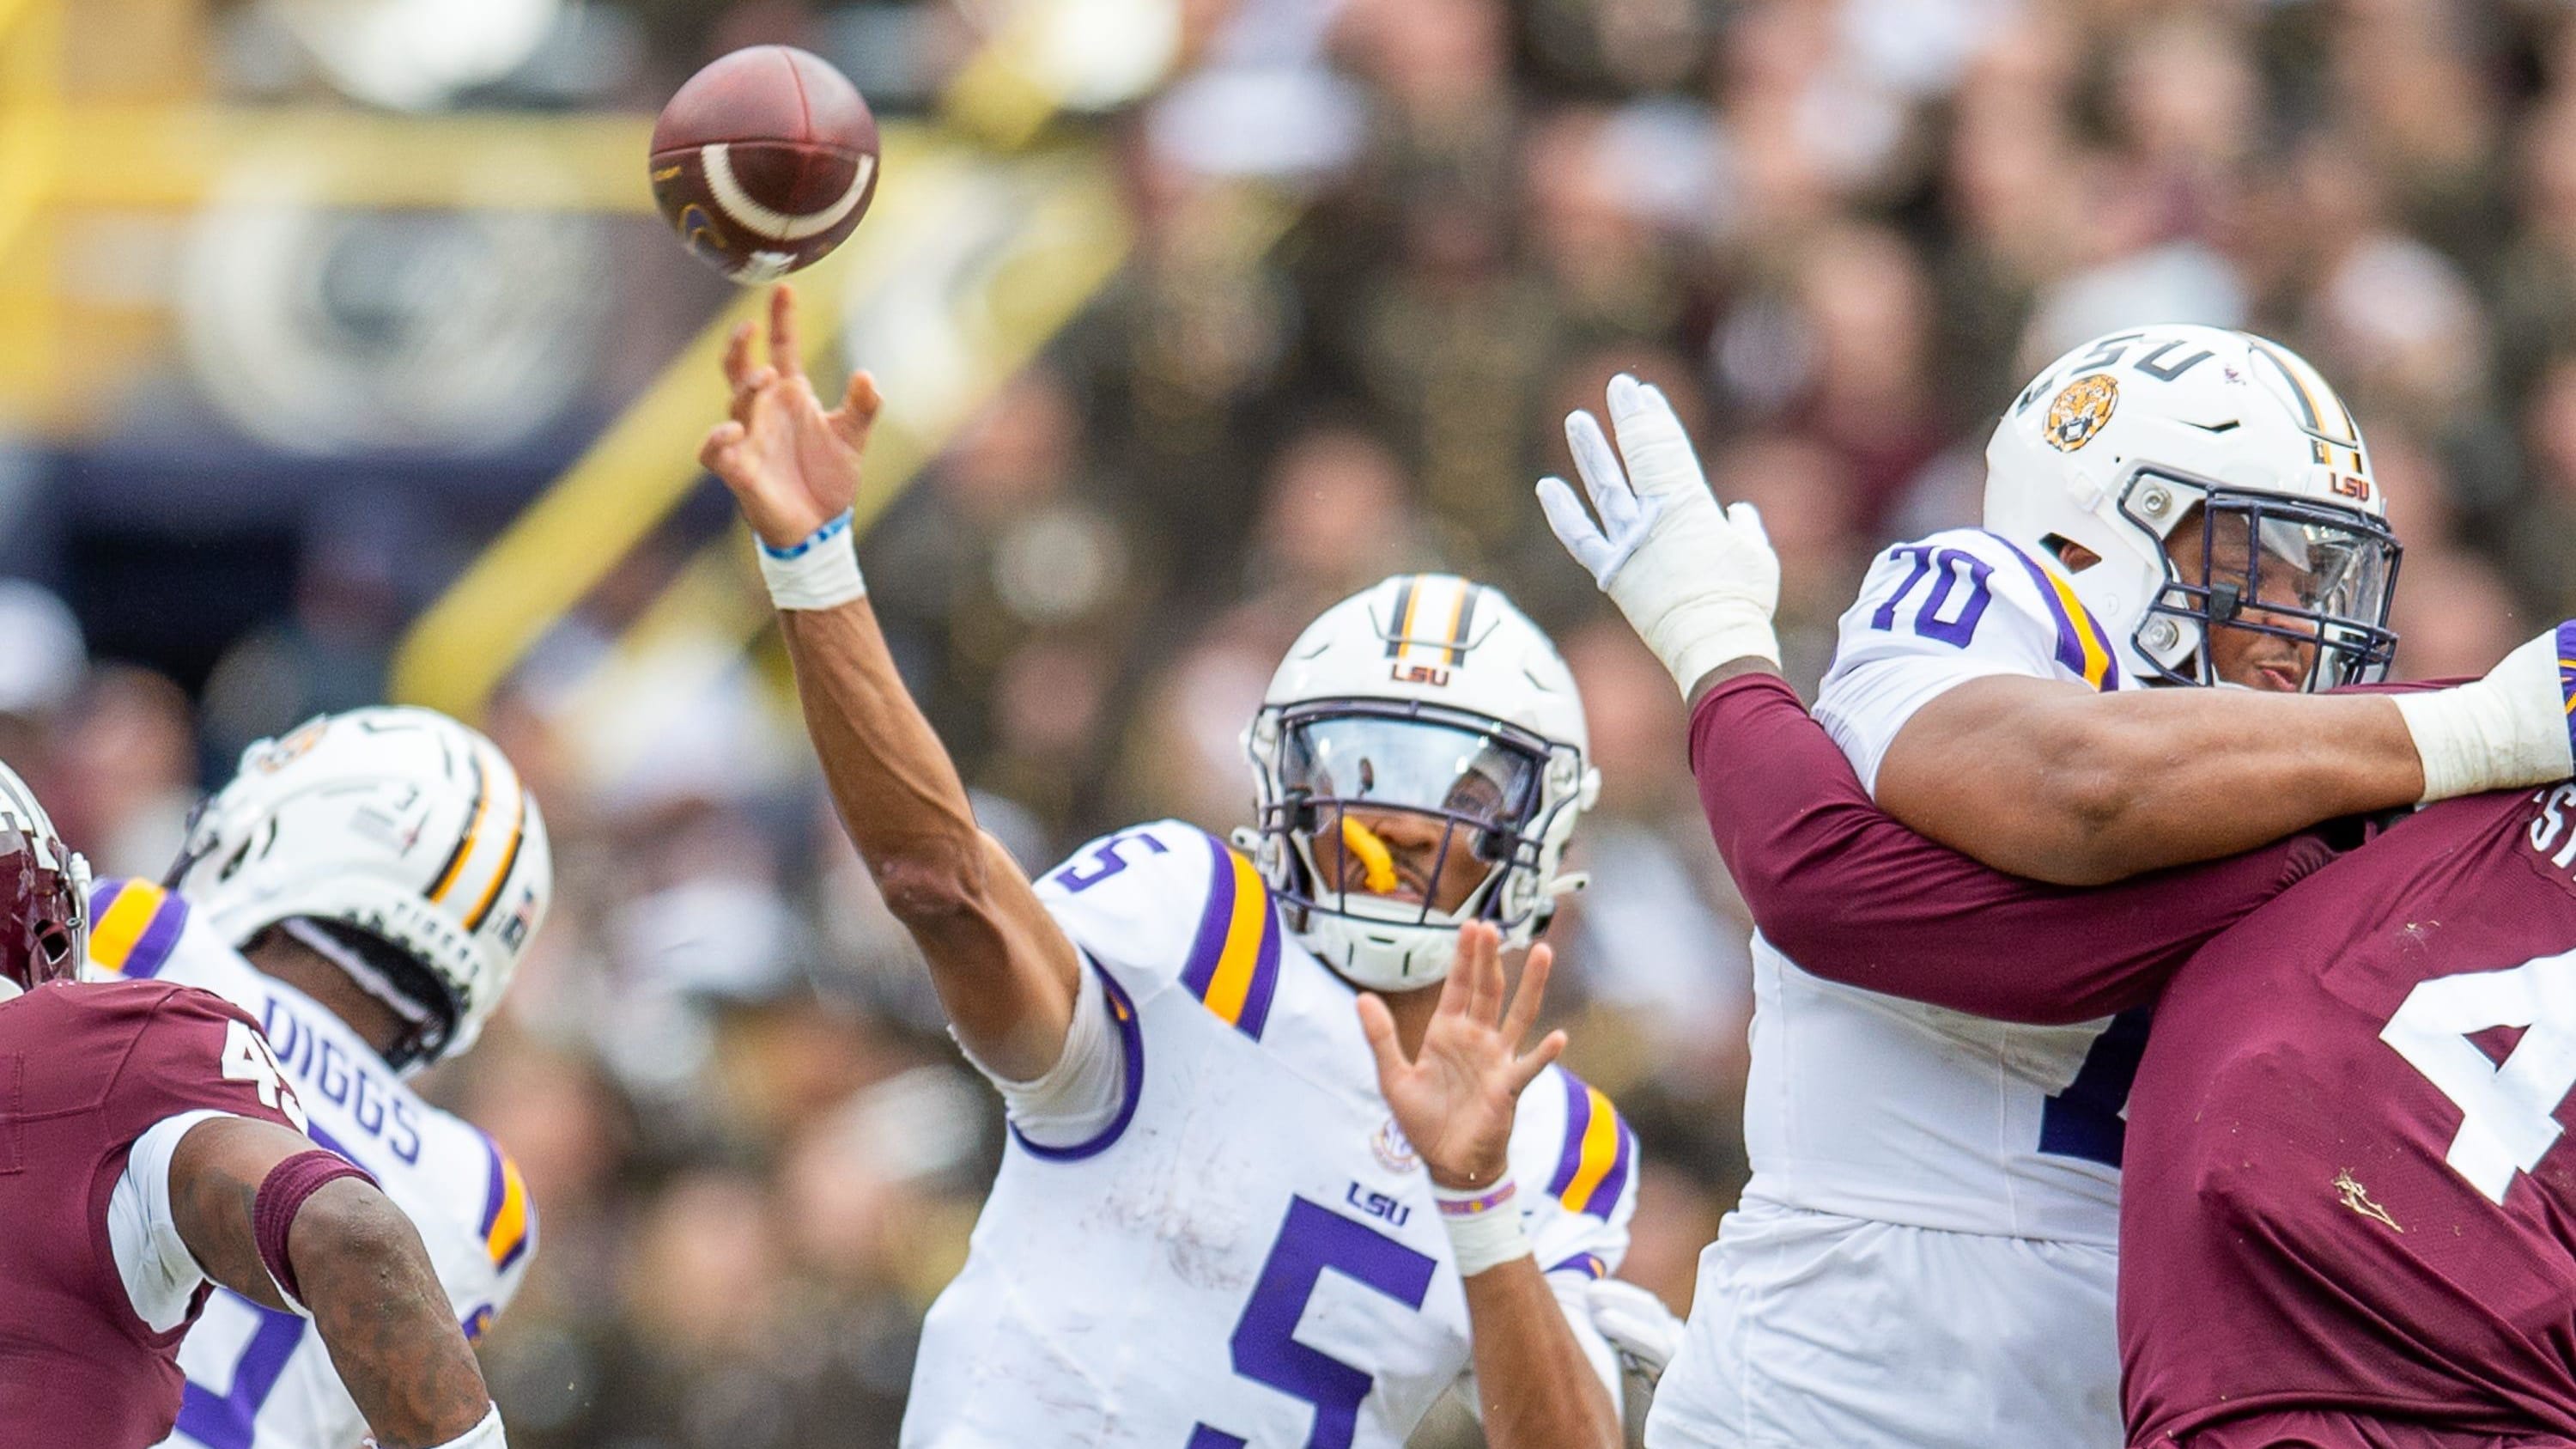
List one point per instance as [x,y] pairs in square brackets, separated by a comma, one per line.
[2081,409]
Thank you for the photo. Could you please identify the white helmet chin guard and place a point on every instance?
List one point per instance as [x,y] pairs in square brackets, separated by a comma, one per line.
[2120,442]
[1417,730]
[381,828]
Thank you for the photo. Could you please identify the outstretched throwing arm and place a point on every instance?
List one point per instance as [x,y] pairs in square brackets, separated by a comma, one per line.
[1005,972]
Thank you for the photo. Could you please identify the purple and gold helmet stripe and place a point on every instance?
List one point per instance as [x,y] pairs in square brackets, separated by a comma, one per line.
[1234,961]
[509,862]
[2328,423]
[1433,614]
[1402,619]
[1593,1169]
[454,865]
[136,925]
[2083,645]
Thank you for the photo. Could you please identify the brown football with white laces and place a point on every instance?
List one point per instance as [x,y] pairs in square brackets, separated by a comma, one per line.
[765,161]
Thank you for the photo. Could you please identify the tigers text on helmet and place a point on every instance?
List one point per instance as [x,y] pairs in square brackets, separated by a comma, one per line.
[44,895]
[381,827]
[2120,442]
[1421,739]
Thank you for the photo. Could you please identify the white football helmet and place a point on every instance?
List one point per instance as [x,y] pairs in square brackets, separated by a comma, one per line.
[2118,442]
[1431,697]
[381,828]
[44,895]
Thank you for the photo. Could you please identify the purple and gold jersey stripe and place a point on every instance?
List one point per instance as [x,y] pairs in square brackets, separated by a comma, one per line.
[1234,962]
[509,1223]
[1593,1169]
[2082,644]
[133,925]
[2567,676]
[1590,1265]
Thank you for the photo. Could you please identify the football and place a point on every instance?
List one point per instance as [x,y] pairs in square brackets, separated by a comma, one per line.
[764,161]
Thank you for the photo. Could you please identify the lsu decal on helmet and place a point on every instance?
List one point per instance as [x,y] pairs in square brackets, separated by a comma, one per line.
[2080,409]
[394,841]
[2121,442]
[1419,762]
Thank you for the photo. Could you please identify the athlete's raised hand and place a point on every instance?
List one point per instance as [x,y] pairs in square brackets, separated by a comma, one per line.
[1456,1098]
[792,465]
[1698,582]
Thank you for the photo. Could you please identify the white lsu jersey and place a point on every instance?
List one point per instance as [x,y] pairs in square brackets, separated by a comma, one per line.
[1246,1253]
[257,1378]
[1869,1106]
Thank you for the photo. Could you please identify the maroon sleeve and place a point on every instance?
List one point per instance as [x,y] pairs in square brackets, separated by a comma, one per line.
[201,1051]
[1852,896]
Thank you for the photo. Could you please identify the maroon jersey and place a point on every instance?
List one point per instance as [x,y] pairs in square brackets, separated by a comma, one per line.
[2347,1218]
[84,1071]
[2345,1170]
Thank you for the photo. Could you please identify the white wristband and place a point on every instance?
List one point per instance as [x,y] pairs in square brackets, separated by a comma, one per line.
[820,573]
[1484,1227]
[2504,732]
[485,1435]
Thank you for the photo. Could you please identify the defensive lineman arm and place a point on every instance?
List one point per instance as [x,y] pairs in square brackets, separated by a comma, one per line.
[1005,972]
[2044,778]
[361,1270]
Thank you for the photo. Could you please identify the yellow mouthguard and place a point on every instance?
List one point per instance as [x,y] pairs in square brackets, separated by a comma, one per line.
[1376,861]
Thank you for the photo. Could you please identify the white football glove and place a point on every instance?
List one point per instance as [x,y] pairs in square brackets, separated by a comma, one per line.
[1698,583]
[2509,730]
[1638,1325]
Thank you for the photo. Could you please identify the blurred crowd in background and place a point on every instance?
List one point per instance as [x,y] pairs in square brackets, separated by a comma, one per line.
[1839,233]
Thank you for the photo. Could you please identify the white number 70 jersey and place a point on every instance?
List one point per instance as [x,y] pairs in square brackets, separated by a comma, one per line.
[1245,1251]
[1874,1107]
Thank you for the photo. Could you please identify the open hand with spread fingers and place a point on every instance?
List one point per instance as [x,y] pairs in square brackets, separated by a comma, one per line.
[1455,1099]
[1697,582]
[791,465]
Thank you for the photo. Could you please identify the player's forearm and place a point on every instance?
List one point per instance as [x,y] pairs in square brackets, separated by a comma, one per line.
[1004,972]
[378,1306]
[2060,784]
[1853,896]
[897,792]
[1539,1391]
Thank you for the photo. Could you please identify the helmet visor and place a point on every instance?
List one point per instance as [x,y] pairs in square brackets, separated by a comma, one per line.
[2291,592]
[1408,807]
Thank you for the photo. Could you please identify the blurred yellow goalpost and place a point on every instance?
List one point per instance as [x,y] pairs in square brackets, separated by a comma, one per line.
[1047,233]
